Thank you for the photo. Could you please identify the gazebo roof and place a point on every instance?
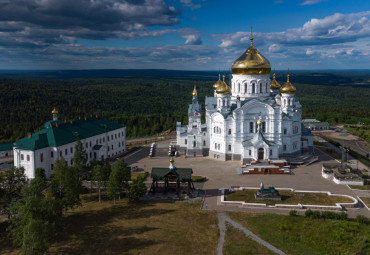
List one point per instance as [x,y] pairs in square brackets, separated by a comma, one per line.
[181,173]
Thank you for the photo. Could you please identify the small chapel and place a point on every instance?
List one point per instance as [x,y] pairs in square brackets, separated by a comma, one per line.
[250,119]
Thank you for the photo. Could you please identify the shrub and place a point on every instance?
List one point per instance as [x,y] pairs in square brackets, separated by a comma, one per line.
[342,216]
[293,213]
[362,219]
[308,213]
[283,227]
[329,215]
[316,215]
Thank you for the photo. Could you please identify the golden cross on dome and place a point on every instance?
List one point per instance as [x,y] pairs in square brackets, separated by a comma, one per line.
[251,35]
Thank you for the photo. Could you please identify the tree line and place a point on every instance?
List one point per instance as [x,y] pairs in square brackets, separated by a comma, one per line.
[147,105]
[35,208]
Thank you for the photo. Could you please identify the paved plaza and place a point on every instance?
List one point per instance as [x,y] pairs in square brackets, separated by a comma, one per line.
[222,174]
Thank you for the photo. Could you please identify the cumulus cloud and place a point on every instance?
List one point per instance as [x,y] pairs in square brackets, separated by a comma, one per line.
[189,3]
[45,22]
[192,39]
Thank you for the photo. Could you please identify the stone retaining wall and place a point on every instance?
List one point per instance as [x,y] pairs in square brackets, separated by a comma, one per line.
[338,206]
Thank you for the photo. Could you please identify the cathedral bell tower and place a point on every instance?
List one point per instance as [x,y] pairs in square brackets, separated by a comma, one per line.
[287,96]
[194,113]
[223,92]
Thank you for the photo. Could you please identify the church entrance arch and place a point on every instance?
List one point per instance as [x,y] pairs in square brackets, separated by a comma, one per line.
[260,153]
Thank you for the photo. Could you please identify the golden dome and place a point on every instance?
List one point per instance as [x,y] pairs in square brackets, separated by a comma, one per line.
[223,88]
[288,87]
[172,160]
[195,92]
[251,62]
[274,84]
[259,122]
[54,111]
[218,83]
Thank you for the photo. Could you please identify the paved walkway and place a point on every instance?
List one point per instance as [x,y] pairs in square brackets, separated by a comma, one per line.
[223,218]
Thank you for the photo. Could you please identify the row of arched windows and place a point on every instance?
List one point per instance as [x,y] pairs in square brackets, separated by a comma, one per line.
[288,101]
[223,102]
[253,87]
[217,130]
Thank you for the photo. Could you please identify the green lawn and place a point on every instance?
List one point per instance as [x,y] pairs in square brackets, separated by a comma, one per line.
[236,242]
[364,187]
[300,235]
[288,197]
[145,228]
[196,178]
[134,175]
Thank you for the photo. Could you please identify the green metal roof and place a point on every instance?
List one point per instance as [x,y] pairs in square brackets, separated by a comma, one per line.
[181,173]
[6,147]
[57,133]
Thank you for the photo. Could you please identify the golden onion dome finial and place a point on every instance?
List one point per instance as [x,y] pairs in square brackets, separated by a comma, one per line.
[274,83]
[223,88]
[251,62]
[172,160]
[195,92]
[218,83]
[54,111]
[288,87]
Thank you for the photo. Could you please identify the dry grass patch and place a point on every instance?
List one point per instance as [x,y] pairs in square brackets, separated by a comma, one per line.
[236,242]
[288,197]
[364,187]
[366,200]
[134,175]
[144,228]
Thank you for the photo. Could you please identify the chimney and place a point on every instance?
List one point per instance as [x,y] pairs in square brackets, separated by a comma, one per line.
[29,135]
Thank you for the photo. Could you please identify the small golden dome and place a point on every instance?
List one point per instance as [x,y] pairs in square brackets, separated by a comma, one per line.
[251,62]
[274,84]
[288,87]
[54,111]
[218,83]
[223,88]
[259,122]
[195,92]
[172,160]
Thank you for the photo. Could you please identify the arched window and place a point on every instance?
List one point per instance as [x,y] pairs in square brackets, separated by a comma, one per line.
[245,88]
[285,131]
[260,87]
[194,144]
[229,147]
[253,87]
[238,87]
[218,146]
[284,101]
[214,130]
[215,146]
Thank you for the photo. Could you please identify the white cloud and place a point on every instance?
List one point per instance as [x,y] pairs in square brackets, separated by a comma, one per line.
[192,39]
[311,2]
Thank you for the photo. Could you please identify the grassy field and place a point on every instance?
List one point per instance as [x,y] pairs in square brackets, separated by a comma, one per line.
[134,175]
[364,187]
[288,197]
[300,235]
[147,228]
[366,200]
[236,242]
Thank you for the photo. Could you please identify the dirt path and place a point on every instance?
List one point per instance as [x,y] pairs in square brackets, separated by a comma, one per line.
[223,218]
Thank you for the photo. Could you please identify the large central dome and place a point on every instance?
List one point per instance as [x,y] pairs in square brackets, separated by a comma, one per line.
[251,62]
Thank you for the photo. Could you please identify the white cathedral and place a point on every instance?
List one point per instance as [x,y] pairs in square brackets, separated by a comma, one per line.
[255,119]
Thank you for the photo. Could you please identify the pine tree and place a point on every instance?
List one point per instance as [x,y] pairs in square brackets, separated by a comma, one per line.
[35,217]
[65,184]
[101,175]
[118,179]
[137,189]
[12,182]
[80,159]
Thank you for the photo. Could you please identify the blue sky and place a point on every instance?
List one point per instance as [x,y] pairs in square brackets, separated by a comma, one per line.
[183,34]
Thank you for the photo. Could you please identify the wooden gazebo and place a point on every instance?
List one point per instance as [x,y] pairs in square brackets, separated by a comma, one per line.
[170,175]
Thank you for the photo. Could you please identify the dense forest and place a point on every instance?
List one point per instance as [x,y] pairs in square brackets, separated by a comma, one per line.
[151,103]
